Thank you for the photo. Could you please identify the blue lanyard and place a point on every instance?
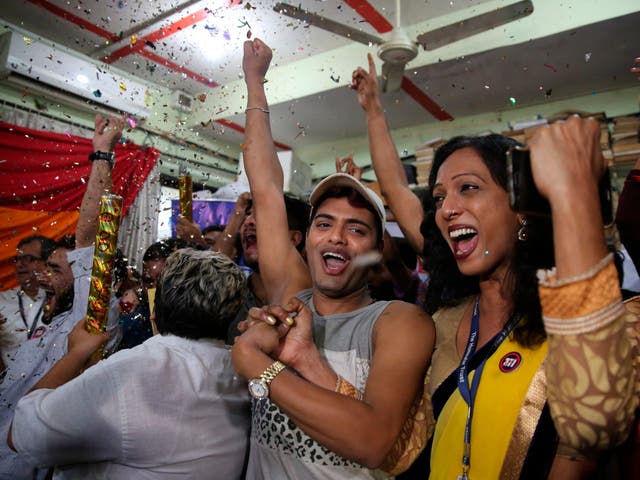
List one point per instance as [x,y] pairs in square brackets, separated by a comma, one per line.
[469,394]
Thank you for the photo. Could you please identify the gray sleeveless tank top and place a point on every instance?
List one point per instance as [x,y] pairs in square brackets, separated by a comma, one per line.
[279,449]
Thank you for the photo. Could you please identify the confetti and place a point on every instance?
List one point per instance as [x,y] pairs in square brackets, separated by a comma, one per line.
[226,35]
[123,87]
[97,93]
[26,40]
[337,80]
[202,97]
[551,67]
[150,44]
[133,40]
[512,100]
[131,122]
[587,56]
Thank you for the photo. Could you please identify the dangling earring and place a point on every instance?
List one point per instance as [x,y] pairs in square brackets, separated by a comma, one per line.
[522,232]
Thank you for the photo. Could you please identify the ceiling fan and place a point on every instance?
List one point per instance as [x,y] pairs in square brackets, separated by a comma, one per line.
[398,49]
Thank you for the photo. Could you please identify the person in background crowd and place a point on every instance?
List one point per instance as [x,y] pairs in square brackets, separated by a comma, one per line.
[227,240]
[22,308]
[211,233]
[297,217]
[155,257]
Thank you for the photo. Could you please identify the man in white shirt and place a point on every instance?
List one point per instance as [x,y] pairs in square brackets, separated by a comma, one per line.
[22,308]
[172,407]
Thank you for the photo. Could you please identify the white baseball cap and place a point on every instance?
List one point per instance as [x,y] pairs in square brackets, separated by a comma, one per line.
[347,181]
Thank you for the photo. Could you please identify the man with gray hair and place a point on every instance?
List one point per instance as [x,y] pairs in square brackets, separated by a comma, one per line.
[172,406]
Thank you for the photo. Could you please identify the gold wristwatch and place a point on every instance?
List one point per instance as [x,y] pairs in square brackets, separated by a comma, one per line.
[259,387]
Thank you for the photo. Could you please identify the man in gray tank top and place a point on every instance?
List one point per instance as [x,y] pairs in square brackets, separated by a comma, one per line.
[333,373]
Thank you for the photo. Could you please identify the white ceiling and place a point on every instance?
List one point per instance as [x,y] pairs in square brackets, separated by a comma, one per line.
[563,50]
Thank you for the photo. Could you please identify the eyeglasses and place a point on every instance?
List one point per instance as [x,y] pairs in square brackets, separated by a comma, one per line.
[26,258]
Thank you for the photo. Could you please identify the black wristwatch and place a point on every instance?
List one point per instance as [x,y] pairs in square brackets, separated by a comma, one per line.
[108,156]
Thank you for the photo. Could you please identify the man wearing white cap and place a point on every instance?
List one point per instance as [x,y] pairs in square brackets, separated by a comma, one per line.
[333,373]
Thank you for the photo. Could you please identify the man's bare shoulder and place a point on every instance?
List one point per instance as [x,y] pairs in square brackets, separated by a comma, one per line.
[401,315]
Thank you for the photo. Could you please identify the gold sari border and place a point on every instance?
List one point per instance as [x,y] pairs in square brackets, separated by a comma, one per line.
[526,425]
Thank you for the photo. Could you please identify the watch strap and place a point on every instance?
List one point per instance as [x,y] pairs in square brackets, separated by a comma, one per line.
[272,371]
[99,155]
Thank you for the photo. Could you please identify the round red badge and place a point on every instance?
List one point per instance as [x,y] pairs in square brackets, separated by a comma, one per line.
[510,362]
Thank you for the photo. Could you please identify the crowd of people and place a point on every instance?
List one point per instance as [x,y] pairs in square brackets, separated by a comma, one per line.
[516,357]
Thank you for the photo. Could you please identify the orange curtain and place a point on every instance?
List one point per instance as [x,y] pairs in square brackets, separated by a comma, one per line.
[42,181]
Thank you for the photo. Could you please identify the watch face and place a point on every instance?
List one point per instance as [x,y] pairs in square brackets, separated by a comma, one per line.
[258,388]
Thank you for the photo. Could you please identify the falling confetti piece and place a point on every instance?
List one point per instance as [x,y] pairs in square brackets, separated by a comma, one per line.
[123,87]
[512,100]
[548,92]
[248,33]
[551,67]
[131,122]
[587,56]
[133,39]
[97,93]
[202,97]
[226,35]
[337,80]
[26,40]
[150,44]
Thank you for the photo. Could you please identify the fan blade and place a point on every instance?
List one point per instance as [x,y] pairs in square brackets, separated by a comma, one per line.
[326,24]
[480,23]
[392,74]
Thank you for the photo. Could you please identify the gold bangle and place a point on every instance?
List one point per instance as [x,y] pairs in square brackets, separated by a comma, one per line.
[345,388]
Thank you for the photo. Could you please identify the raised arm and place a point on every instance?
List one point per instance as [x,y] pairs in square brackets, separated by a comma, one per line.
[404,204]
[226,241]
[590,369]
[107,132]
[282,268]
[82,345]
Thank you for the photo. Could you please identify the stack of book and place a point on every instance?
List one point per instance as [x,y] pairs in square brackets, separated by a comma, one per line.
[517,135]
[424,159]
[625,139]
[523,135]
